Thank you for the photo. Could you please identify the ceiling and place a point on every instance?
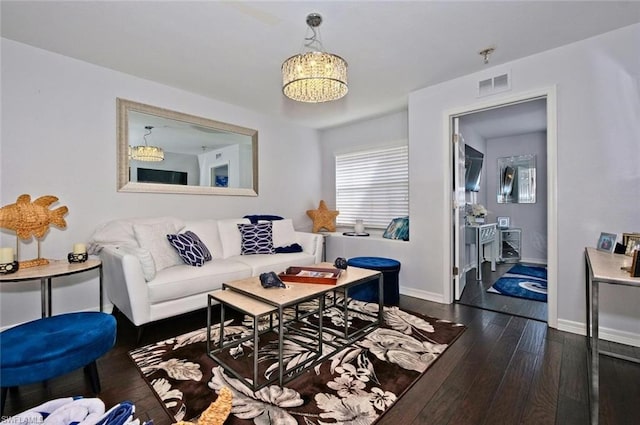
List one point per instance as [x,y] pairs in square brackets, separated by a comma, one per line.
[233,51]
[511,120]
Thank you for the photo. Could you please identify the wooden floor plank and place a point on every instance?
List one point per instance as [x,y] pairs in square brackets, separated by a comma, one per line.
[451,394]
[542,402]
[511,398]
[479,396]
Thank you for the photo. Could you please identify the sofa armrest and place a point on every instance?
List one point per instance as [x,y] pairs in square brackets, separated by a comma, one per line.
[125,284]
[312,243]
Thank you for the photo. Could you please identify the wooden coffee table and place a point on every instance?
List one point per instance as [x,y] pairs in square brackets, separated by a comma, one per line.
[249,297]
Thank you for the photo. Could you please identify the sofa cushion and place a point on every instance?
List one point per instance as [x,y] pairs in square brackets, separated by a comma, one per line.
[120,231]
[283,233]
[230,236]
[207,231]
[182,281]
[256,238]
[145,258]
[192,251]
[262,263]
[153,237]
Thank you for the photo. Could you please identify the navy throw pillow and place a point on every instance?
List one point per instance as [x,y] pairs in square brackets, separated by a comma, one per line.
[203,247]
[255,218]
[189,251]
[256,238]
[289,249]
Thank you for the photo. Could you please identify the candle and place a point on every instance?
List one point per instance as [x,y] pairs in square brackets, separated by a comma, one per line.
[79,248]
[6,255]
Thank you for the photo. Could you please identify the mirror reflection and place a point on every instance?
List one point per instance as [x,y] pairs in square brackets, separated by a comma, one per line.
[170,152]
[517,179]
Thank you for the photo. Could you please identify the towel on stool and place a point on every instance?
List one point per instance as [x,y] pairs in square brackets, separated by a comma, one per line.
[83,411]
[120,414]
[37,415]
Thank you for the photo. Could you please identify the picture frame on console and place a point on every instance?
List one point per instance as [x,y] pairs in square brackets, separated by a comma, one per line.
[606,242]
[503,222]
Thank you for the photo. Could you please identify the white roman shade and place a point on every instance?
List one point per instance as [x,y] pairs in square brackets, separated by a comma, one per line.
[372,185]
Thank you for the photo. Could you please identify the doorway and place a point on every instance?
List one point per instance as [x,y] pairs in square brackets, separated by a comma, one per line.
[533,118]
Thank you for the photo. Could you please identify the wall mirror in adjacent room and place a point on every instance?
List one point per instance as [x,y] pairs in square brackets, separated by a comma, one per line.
[517,179]
[164,151]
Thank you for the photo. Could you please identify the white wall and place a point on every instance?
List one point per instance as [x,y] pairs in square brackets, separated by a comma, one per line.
[531,218]
[598,183]
[59,138]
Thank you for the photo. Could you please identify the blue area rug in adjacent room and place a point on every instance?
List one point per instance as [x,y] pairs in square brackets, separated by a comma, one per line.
[522,281]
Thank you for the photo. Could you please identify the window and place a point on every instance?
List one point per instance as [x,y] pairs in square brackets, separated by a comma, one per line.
[372,185]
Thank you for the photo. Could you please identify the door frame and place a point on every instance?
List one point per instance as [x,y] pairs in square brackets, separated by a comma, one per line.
[552,188]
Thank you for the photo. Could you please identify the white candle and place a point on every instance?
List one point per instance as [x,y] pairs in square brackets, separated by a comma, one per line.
[79,248]
[6,255]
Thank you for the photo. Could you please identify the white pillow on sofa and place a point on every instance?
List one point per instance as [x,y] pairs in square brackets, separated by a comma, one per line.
[283,233]
[120,231]
[230,236]
[153,237]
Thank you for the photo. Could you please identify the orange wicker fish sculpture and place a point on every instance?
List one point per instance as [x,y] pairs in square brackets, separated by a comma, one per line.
[28,218]
[217,412]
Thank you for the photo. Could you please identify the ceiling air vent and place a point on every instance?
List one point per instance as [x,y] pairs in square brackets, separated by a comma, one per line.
[496,84]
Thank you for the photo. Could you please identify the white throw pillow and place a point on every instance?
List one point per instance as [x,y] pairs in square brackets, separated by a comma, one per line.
[145,258]
[230,236]
[283,233]
[153,237]
[120,231]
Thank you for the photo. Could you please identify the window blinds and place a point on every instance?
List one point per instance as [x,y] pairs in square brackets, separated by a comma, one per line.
[372,185]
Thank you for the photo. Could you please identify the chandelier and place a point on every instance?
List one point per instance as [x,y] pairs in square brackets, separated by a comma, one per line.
[146,152]
[315,76]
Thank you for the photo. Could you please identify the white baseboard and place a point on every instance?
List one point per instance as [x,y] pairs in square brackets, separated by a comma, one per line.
[429,296]
[542,262]
[608,334]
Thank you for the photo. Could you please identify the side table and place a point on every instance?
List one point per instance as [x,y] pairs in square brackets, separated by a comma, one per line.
[602,268]
[55,268]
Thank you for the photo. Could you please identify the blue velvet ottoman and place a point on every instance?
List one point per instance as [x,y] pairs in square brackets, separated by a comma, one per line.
[52,346]
[369,291]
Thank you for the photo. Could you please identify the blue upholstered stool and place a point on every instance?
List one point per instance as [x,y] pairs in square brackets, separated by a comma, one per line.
[369,291]
[52,346]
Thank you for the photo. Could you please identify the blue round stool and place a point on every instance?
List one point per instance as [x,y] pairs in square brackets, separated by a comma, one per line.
[52,346]
[369,291]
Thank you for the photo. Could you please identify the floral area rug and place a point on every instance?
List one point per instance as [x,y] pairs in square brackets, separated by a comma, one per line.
[354,385]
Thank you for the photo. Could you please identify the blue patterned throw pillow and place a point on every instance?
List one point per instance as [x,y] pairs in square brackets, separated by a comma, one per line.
[397,229]
[256,238]
[201,245]
[190,251]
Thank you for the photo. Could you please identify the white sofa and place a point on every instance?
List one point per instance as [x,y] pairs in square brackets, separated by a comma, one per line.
[145,293]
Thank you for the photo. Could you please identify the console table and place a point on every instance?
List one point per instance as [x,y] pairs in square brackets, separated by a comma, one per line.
[55,268]
[482,236]
[602,267]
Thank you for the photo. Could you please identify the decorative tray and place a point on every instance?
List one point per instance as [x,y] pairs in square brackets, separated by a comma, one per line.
[355,234]
[321,275]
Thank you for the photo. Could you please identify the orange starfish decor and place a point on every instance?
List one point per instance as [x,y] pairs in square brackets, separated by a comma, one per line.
[323,218]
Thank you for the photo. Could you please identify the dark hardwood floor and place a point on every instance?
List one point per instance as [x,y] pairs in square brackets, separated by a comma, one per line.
[475,294]
[502,370]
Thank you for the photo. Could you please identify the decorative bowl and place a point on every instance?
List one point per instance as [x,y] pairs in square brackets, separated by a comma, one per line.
[77,258]
[8,268]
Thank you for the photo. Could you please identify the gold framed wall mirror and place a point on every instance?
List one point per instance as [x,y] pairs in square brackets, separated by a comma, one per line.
[164,151]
